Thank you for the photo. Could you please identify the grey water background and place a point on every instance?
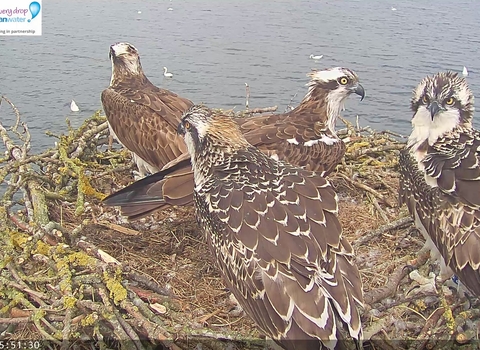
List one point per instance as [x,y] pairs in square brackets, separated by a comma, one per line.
[214,47]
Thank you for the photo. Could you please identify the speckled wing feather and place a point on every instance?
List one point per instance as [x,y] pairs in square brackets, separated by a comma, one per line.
[299,137]
[450,212]
[278,242]
[144,119]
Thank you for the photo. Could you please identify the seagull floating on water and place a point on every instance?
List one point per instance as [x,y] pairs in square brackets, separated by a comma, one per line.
[465,71]
[168,75]
[394,9]
[139,12]
[74,107]
[169,9]
[316,57]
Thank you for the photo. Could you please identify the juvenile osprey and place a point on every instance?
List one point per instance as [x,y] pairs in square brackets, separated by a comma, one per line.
[142,117]
[440,175]
[302,137]
[275,235]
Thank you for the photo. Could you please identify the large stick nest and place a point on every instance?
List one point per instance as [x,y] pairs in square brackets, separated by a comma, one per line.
[78,275]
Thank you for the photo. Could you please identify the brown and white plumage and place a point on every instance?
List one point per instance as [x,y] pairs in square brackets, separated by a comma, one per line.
[275,235]
[140,115]
[303,137]
[440,175]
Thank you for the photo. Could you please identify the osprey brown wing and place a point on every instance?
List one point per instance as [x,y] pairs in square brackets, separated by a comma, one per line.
[281,240]
[297,137]
[145,121]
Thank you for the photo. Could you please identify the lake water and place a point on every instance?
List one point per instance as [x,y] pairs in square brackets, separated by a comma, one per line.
[213,47]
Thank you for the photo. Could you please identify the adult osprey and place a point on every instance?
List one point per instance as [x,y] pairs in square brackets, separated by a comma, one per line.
[142,117]
[440,175]
[274,233]
[303,137]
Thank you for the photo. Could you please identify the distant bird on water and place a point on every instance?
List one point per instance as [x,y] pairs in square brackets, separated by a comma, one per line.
[166,74]
[74,107]
[465,71]
[317,57]
[394,9]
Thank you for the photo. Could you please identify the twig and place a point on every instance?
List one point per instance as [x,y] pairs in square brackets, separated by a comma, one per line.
[424,335]
[380,211]
[260,110]
[390,287]
[366,188]
[247,94]
[400,223]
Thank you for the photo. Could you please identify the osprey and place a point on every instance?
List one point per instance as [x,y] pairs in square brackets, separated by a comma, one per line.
[440,175]
[142,117]
[302,137]
[275,235]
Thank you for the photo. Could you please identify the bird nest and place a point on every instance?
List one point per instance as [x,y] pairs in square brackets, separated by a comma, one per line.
[77,274]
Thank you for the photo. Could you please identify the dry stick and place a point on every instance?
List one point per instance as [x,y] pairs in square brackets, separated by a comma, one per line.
[379,209]
[349,126]
[390,287]
[376,149]
[15,320]
[247,94]
[82,141]
[67,328]
[17,116]
[149,283]
[154,331]
[400,223]
[40,210]
[366,188]
[36,322]
[108,312]
[261,110]
[129,330]
[423,336]
[14,151]
[21,285]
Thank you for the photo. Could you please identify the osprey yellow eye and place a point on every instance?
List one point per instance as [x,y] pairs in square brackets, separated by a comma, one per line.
[425,99]
[187,125]
[343,81]
[450,101]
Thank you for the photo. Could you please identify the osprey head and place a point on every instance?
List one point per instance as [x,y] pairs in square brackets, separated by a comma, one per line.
[202,129]
[330,88]
[440,103]
[125,61]
[339,81]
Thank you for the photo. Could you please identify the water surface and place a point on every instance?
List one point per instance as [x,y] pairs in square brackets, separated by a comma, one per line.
[214,47]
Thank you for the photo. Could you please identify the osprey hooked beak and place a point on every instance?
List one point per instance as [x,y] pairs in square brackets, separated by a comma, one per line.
[434,108]
[359,90]
[111,52]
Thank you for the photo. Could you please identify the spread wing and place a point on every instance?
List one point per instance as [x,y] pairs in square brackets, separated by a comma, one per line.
[282,253]
[145,121]
[450,212]
[297,137]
